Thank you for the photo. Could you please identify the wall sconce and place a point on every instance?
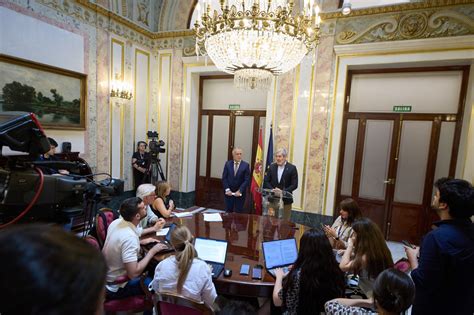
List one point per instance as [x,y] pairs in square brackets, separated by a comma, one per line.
[346,7]
[120,89]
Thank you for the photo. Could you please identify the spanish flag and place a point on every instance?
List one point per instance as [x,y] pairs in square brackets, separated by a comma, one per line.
[257,176]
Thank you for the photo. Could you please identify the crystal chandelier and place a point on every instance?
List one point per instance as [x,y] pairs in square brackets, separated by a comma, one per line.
[256,39]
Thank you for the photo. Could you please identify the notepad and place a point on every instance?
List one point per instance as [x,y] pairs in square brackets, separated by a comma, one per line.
[212,217]
[182,214]
[162,232]
[197,210]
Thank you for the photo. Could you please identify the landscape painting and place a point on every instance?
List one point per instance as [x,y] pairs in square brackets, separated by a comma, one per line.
[56,96]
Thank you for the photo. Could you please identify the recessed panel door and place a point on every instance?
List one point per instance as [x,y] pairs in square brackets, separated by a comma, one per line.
[373,167]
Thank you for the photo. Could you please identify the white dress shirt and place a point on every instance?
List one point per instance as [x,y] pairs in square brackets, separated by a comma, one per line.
[150,219]
[281,168]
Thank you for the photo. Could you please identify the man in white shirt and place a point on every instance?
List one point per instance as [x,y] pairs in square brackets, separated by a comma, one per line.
[281,176]
[151,223]
[121,250]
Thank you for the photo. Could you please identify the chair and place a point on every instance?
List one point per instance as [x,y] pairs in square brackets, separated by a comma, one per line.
[92,241]
[135,304]
[403,265]
[168,303]
[104,217]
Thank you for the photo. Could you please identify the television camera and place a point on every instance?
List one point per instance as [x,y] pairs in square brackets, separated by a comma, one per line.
[27,194]
[155,170]
[155,146]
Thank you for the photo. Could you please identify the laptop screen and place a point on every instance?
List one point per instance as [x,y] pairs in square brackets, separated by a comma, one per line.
[280,253]
[211,250]
[168,235]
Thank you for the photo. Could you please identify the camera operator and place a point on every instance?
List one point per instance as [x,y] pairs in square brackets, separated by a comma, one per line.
[140,163]
[155,170]
[49,156]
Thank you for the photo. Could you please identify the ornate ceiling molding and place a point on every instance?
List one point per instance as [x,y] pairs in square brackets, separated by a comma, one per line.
[97,16]
[420,24]
[116,17]
[431,4]
[132,25]
[429,19]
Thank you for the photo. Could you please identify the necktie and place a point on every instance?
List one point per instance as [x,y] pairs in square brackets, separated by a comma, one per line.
[236,167]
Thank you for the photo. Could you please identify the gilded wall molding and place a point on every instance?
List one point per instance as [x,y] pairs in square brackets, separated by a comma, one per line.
[421,24]
[395,8]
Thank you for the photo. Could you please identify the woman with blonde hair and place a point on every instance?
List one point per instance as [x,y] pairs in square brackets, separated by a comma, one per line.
[161,207]
[184,273]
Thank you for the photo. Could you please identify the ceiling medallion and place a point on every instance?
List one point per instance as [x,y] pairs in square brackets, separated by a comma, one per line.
[256,39]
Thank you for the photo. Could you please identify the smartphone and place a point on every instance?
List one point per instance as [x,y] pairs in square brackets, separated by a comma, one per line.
[244,269]
[257,272]
[407,244]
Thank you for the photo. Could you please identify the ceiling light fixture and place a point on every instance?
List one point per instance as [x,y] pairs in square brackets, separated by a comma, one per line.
[256,39]
[346,7]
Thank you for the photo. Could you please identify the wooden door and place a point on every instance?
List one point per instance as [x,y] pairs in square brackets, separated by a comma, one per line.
[219,132]
[394,167]
[373,166]
[389,162]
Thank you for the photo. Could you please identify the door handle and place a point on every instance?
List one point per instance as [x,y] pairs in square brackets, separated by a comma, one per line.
[389,181]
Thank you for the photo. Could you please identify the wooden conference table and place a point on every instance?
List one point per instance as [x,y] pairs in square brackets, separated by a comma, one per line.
[244,234]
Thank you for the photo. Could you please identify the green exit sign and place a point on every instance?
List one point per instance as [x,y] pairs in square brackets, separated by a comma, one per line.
[234,106]
[402,109]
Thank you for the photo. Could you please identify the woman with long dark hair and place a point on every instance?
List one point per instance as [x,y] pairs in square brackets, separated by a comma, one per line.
[394,292]
[341,229]
[367,254]
[184,273]
[314,279]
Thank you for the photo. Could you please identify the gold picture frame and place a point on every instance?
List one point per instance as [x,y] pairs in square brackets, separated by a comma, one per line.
[56,96]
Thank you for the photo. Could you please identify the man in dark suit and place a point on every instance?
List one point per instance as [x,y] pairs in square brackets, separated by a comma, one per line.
[281,176]
[235,179]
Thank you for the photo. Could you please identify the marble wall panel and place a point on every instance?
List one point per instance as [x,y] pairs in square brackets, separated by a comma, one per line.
[283,110]
[319,127]
[128,120]
[103,108]
[175,129]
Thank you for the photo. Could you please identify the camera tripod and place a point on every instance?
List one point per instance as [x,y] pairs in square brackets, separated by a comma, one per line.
[155,170]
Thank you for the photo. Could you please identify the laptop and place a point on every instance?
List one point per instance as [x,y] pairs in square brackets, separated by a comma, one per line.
[213,252]
[167,240]
[279,254]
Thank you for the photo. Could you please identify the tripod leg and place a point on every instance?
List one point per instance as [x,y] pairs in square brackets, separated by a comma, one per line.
[146,176]
[160,169]
[154,173]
